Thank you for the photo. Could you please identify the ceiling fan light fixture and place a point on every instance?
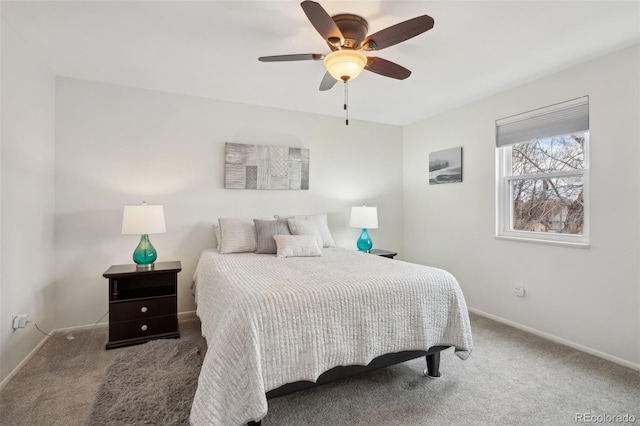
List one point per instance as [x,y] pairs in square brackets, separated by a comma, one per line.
[345,64]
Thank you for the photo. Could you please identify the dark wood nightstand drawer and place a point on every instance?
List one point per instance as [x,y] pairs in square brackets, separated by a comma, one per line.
[142,328]
[141,309]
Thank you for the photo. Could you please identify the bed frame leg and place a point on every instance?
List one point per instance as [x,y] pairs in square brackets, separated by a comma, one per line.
[433,365]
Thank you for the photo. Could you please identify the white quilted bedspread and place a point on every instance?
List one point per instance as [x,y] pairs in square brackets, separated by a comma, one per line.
[270,321]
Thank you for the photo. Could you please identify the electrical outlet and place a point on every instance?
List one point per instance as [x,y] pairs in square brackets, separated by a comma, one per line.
[19,321]
[519,291]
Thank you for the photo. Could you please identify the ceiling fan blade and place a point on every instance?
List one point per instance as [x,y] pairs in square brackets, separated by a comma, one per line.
[323,23]
[386,68]
[327,82]
[398,33]
[299,57]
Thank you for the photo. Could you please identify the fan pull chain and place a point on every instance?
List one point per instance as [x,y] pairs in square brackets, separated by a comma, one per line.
[346,101]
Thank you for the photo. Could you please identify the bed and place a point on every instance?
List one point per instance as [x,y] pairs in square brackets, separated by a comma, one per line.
[275,325]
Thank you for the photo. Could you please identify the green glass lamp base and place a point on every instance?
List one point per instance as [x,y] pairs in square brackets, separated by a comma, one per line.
[364,243]
[145,254]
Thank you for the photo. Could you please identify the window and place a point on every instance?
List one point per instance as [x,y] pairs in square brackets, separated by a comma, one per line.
[542,174]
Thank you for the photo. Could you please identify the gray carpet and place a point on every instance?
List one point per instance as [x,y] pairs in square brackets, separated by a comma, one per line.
[511,378]
[59,383]
[151,384]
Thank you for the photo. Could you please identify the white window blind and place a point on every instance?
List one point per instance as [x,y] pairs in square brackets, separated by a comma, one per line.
[559,119]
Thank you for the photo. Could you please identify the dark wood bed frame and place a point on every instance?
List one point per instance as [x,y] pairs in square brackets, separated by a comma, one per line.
[340,372]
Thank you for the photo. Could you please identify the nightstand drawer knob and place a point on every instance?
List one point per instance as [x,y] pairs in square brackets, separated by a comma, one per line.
[143,309]
[144,328]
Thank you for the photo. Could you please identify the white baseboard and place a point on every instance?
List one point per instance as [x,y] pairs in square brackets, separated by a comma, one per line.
[181,316]
[557,339]
[184,316]
[80,327]
[23,363]
[187,315]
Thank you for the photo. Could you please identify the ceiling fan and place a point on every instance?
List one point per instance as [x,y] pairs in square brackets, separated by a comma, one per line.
[346,36]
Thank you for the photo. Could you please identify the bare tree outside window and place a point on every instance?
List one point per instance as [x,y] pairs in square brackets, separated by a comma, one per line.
[547,185]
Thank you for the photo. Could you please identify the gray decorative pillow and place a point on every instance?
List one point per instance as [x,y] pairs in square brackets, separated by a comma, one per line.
[305,227]
[320,220]
[297,246]
[266,230]
[237,235]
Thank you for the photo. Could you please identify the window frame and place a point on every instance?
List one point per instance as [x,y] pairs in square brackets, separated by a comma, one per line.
[504,200]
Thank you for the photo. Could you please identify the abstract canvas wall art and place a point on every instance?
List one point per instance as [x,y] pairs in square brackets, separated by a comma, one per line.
[445,166]
[265,167]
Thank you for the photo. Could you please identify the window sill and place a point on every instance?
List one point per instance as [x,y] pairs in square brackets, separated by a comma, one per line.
[574,244]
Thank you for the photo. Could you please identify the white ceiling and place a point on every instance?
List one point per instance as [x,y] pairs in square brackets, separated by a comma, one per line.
[210,48]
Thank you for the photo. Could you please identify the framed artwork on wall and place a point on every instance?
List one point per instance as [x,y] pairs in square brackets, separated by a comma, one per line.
[445,166]
[265,167]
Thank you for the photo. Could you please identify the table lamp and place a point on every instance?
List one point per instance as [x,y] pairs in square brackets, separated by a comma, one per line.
[144,220]
[366,218]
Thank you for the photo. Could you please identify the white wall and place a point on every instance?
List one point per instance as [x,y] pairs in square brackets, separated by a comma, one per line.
[117,146]
[588,297]
[27,207]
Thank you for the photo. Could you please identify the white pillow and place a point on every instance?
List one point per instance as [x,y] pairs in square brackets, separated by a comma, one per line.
[297,246]
[216,232]
[237,235]
[320,221]
[305,227]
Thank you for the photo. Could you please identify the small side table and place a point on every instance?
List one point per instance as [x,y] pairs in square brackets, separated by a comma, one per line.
[143,303]
[384,253]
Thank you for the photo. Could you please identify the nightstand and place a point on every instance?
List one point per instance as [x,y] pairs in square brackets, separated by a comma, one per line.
[143,303]
[384,253]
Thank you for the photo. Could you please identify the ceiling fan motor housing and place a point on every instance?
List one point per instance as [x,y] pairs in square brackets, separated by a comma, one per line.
[354,28]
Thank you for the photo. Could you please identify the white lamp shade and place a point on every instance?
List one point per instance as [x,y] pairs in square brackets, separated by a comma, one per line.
[345,64]
[143,219]
[364,217]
